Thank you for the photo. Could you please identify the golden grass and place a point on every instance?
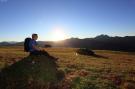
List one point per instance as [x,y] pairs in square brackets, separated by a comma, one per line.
[117,68]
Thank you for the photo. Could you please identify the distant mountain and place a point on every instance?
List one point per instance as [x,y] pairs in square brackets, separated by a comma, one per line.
[12,42]
[101,42]
[40,43]
[100,37]
[6,43]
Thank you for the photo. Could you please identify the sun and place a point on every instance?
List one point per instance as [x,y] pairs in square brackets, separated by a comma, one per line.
[58,35]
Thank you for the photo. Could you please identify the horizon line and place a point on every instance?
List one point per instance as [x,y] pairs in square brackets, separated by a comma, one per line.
[69,38]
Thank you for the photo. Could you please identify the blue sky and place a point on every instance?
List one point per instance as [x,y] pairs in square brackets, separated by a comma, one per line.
[77,18]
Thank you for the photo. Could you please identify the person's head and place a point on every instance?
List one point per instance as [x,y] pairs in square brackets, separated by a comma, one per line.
[35,36]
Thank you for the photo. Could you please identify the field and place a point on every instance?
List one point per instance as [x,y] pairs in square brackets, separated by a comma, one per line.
[109,70]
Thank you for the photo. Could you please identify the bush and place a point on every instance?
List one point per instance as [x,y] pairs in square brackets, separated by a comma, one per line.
[47,46]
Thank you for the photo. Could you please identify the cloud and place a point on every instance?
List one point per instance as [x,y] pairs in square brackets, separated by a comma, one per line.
[3,0]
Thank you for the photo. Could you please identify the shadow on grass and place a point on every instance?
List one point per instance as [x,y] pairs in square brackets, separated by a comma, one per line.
[99,56]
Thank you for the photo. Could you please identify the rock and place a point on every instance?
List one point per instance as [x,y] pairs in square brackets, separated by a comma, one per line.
[32,72]
[85,51]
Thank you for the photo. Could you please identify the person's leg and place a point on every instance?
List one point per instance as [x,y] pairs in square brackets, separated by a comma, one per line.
[35,53]
[45,53]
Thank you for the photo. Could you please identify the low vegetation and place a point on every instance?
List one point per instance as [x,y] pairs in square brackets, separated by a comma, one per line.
[108,70]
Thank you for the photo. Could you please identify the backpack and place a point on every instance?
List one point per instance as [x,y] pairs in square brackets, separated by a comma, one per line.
[26,44]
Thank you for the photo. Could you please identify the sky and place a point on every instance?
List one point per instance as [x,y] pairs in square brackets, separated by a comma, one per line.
[61,19]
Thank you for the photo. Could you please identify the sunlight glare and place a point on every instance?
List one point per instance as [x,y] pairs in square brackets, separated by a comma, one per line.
[58,34]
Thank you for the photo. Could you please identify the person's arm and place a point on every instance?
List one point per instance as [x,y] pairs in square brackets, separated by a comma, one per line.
[36,48]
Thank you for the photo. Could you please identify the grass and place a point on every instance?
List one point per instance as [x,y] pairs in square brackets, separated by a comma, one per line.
[115,70]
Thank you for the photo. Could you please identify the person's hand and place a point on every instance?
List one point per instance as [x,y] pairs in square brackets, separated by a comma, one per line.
[41,49]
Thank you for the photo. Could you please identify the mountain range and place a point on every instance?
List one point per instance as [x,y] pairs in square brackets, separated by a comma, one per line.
[101,42]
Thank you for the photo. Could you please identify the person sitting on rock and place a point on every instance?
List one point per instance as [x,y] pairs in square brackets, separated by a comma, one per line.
[34,49]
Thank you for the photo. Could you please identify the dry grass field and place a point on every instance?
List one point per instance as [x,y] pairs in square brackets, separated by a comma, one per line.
[109,70]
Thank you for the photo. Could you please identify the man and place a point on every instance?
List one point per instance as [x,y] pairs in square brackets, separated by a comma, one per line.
[35,50]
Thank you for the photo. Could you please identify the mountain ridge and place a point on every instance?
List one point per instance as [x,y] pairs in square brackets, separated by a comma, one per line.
[101,42]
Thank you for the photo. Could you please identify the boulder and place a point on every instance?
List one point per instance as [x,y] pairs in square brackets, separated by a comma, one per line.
[85,51]
[32,72]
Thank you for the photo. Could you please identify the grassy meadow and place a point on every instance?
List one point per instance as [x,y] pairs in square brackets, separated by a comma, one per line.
[109,70]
